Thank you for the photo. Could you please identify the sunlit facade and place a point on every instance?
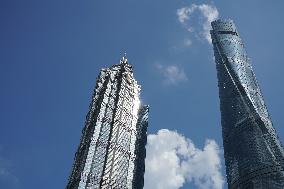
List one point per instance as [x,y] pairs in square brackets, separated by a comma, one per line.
[254,157]
[112,150]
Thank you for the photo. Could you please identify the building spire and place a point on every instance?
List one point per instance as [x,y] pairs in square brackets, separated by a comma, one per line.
[123,60]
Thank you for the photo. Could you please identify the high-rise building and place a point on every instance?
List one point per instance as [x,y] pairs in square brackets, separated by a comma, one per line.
[254,156]
[112,150]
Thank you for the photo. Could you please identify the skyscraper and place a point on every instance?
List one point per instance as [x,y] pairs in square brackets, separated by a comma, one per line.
[112,150]
[254,157]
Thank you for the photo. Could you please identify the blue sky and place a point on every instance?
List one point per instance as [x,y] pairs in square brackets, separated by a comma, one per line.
[51,53]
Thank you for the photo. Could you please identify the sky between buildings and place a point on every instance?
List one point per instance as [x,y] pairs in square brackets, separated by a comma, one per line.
[51,53]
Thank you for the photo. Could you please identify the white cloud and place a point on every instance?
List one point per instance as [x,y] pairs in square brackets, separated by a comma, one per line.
[183,13]
[172,74]
[208,13]
[6,175]
[187,42]
[173,160]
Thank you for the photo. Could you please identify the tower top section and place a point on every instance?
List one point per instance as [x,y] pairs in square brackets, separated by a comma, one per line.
[224,26]
[124,60]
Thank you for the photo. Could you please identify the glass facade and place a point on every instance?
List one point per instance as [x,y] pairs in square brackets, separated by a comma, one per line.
[112,150]
[254,157]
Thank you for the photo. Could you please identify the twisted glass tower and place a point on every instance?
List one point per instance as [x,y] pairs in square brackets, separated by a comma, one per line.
[254,157]
[112,150]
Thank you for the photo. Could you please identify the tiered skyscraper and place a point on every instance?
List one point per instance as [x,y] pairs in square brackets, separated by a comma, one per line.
[112,150]
[254,156]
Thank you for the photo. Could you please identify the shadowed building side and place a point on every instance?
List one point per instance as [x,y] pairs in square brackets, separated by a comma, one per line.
[140,147]
[254,157]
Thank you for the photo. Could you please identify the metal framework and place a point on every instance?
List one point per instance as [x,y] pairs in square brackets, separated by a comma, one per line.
[112,150]
[254,156]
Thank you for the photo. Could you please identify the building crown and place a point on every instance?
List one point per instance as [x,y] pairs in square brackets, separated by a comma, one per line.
[123,60]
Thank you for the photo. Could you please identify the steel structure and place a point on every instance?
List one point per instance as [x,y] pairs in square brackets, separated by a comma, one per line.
[254,157]
[112,150]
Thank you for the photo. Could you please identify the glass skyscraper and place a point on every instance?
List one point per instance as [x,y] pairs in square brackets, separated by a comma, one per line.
[112,150]
[254,157]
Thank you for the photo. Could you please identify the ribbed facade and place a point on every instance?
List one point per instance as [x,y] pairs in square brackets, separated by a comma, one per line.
[254,157]
[112,151]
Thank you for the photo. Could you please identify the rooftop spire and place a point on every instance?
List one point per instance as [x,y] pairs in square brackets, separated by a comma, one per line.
[123,60]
